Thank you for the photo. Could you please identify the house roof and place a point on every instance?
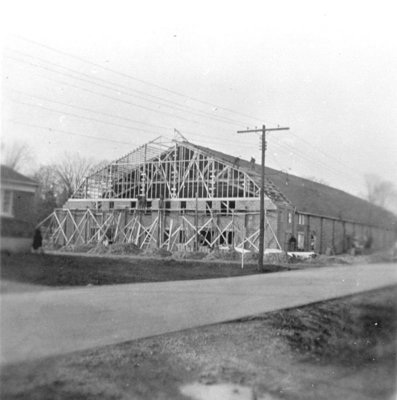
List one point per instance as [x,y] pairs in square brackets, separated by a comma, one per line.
[312,197]
[9,175]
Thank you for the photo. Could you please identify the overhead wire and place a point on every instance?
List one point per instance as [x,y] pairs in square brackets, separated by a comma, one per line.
[101,94]
[326,168]
[129,76]
[67,132]
[141,95]
[171,91]
[197,135]
[89,110]
[82,116]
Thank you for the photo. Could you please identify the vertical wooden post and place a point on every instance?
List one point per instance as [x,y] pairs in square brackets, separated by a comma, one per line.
[321,235]
[196,223]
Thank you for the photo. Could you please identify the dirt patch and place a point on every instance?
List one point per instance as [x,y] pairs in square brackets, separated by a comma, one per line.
[342,349]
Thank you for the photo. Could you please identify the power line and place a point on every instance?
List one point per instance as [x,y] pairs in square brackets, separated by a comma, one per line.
[100,94]
[67,132]
[328,155]
[148,83]
[91,80]
[195,112]
[309,160]
[136,105]
[82,117]
[325,167]
[136,79]
[90,110]
[107,96]
[194,134]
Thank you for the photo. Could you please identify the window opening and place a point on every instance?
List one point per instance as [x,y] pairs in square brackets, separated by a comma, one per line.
[182,236]
[208,207]
[6,202]
[301,241]
[227,238]
[205,237]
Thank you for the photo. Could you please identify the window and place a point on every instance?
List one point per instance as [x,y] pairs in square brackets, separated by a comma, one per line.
[208,207]
[183,208]
[227,207]
[95,233]
[6,203]
[111,205]
[205,237]
[290,218]
[301,219]
[148,205]
[133,204]
[301,241]
[182,236]
[226,238]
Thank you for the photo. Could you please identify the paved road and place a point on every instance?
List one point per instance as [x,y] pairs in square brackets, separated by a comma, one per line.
[46,323]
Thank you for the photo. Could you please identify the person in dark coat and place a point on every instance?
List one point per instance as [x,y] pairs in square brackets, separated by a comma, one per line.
[292,243]
[37,246]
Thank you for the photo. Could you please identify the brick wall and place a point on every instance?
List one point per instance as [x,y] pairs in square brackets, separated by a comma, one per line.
[23,206]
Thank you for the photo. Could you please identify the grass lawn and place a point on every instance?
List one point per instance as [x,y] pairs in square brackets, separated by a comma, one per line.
[340,349]
[74,270]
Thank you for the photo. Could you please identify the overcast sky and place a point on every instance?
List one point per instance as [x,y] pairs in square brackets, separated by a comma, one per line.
[101,77]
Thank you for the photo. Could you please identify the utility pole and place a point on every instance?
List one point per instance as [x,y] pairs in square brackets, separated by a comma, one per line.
[262,190]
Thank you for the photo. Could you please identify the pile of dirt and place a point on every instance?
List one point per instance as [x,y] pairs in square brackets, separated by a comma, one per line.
[99,248]
[77,248]
[156,252]
[124,249]
[188,255]
[116,249]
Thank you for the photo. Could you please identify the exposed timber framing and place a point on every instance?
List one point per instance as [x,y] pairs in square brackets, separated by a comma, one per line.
[89,227]
[129,201]
[169,171]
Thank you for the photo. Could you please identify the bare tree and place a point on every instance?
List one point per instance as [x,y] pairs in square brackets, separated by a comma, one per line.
[46,194]
[17,155]
[380,192]
[71,170]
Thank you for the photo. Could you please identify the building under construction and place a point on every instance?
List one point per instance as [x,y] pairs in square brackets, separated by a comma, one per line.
[180,196]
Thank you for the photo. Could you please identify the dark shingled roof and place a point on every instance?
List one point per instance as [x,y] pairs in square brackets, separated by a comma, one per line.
[312,197]
[10,175]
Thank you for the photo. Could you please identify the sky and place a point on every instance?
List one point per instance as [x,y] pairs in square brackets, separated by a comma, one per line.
[103,77]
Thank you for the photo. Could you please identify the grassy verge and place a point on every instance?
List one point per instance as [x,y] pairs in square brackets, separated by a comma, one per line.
[72,270]
[341,349]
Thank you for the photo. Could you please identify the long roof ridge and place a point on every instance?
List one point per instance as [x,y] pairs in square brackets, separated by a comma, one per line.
[309,196]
